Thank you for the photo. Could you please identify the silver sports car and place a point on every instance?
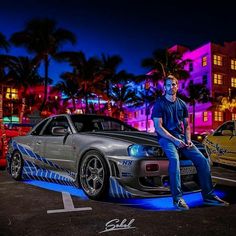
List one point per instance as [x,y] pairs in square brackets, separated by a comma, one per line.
[100,154]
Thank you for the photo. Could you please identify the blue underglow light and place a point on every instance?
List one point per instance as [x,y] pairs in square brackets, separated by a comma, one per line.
[166,203]
[58,188]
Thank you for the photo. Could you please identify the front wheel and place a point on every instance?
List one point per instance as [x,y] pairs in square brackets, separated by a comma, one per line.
[16,165]
[94,175]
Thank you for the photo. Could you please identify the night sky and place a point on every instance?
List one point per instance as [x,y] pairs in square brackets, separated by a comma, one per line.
[130,28]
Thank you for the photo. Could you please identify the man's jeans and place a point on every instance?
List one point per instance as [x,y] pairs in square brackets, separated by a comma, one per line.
[199,161]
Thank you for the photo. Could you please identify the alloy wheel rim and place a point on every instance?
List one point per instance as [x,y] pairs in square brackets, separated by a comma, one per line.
[92,175]
[16,165]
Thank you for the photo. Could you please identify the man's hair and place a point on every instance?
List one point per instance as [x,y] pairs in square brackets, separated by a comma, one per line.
[170,77]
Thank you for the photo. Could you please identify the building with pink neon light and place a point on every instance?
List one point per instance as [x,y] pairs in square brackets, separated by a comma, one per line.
[213,65]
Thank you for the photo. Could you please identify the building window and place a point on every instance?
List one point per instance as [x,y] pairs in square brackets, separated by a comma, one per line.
[233,64]
[204,79]
[233,82]
[12,93]
[204,61]
[218,79]
[218,116]
[233,116]
[205,116]
[217,60]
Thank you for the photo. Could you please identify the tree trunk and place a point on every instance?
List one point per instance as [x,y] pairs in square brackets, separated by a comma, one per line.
[194,117]
[99,105]
[46,65]
[74,106]
[22,111]
[109,107]
[3,131]
[146,113]
[86,97]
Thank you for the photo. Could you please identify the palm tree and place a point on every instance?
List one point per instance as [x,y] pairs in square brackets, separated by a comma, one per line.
[69,86]
[163,63]
[22,73]
[147,97]
[226,103]
[109,71]
[43,37]
[123,95]
[197,93]
[4,45]
[87,72]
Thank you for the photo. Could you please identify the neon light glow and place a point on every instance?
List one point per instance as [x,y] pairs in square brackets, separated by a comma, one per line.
[156,204]
[165,203]
[58,188]
[12,119]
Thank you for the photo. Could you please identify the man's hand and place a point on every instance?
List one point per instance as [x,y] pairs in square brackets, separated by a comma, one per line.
[189,144]
[180,144]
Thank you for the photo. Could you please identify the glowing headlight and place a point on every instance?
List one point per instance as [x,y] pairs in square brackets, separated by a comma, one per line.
[137,150]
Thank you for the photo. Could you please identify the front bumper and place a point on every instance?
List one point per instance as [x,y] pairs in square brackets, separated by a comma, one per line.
[134,176]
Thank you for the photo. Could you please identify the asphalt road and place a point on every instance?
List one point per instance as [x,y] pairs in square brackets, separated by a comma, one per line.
[31,209]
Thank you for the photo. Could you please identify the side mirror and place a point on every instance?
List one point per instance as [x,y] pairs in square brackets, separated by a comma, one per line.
[59,131]
[227,132]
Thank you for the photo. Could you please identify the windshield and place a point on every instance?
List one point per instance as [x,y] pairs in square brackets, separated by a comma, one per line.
[96,123]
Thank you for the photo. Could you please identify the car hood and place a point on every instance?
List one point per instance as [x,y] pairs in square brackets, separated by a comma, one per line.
[138,137]
[129,136]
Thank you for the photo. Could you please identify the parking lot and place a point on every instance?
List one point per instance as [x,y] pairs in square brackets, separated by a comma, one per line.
[38,208]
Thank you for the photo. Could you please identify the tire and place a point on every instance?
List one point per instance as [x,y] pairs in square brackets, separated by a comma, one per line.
[16,165]
[94,175]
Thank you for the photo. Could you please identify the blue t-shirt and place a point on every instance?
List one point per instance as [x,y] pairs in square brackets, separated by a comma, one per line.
[172,114]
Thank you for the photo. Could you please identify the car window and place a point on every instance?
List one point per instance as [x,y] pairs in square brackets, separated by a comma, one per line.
[89,123]
[39,127]
[56,121]
[226,126]
[110,125]
[79,126]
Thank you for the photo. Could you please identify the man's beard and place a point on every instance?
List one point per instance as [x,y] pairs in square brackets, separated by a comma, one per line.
[171,92]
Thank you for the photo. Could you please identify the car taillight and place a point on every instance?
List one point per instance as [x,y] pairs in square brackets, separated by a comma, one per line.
[152,167]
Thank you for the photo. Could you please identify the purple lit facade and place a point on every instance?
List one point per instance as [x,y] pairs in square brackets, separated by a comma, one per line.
[213,65]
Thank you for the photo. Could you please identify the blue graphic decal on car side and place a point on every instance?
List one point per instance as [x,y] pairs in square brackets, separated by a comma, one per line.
[32,171]
[116,190]
[29,153]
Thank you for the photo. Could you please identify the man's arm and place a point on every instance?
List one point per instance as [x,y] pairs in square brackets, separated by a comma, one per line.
[187,132]
[165,134]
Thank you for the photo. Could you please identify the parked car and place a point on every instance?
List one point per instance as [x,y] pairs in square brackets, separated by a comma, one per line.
[12,130]
[221,144]
[100,154]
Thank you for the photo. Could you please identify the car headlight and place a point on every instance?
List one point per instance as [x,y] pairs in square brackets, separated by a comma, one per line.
[137,150]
